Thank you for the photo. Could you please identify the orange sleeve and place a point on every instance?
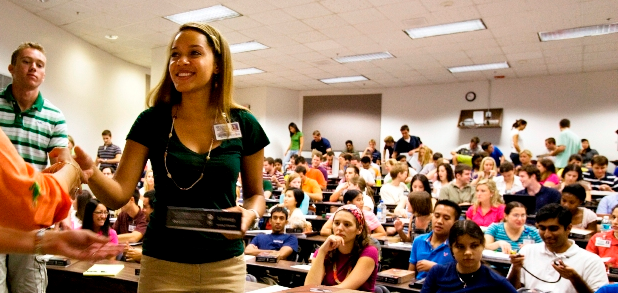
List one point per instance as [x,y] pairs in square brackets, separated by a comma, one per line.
[320,179]
[30,199]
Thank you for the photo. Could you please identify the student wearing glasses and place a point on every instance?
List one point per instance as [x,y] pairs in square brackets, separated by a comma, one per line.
[198,141]
[513,233]
[96,219]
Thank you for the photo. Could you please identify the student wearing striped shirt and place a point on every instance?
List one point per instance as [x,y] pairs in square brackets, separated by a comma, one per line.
[35,127]
[108,155]
[513,233]
[599,178]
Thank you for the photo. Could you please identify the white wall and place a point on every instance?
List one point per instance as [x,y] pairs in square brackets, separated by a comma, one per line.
[94,89]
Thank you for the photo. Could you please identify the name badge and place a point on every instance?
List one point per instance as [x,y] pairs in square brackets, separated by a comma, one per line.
[227,131]
[131,228]
[603,243]
[206,220]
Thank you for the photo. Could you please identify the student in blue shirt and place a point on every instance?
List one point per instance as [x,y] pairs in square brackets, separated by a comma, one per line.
[493,152]
[466,274]
[432,248]
[286,244]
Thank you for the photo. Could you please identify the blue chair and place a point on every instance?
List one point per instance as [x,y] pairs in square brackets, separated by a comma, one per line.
[251,278]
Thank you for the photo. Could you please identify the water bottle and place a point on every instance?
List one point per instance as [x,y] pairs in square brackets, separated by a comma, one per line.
[605,224]
[379,181]
[379,213]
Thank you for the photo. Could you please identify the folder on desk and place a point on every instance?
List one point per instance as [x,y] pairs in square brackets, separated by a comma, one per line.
[104,270]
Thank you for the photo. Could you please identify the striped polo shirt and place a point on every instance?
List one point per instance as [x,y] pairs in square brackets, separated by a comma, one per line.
[609,179]
[108,152]
[35,131]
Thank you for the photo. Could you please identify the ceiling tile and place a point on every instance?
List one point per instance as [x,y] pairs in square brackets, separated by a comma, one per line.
[309,10]
[362,16]
[272,17]
[340,6]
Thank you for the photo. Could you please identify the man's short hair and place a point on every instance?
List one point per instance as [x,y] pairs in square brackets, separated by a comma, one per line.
[506,167]
[475,140]
[279,210]
[404,127]
[460,168]
[389,139]
[301,169]
[584,140]
[150,195]
[554,211]
[346,156]
[24,46]
[448,203]
[436,156]
[136,196]
[316,153]
[270,160]
[356,170]
[278,160]
[365,160]
[300,160]
[330,153]
[565,123]
[398,168]
[399,157]
[485,145]
[106,132]
[551,140]
[599,161]
[355,157]
[349,141]
[317,132]
[575,157]
[111,169]
[531,170]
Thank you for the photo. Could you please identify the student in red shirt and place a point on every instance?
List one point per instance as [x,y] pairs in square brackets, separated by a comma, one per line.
[605,244]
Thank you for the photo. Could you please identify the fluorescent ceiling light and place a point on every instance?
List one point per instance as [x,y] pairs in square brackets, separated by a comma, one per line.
[364,57]
[579,32]
[213,13]
[246,71]
[344,79]
[446,29]
[247,46]
[479,67]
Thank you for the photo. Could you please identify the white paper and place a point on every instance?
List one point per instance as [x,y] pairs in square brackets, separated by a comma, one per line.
[275,288]
[248,257]
[302,267]
[401,244]
[495,255]
[478,117]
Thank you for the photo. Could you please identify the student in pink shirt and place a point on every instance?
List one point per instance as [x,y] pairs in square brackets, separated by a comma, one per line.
[96,219]
[489,206]
[548,173]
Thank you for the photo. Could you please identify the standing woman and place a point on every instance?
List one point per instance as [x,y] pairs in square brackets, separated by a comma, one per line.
[516,140]
[466,273]
[296,142]
[346,259]
[193,167]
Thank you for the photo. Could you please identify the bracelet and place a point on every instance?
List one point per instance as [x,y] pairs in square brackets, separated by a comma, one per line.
[38,242]
[79,180]
[257,215]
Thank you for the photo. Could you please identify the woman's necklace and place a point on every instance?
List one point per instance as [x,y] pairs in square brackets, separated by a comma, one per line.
[460,279]
[169,137]
[335,273]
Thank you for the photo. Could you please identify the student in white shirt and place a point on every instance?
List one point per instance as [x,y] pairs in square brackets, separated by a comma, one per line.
[557,264]
[393,193]
[508,183]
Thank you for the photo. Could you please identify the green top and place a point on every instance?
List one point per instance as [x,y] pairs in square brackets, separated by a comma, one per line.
[572,145]
[296,141]
[267,185]
[217,190]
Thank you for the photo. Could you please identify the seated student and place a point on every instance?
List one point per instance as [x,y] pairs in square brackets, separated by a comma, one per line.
[355,197]
[131,223]
[444,176]
[270,173]
[599,178]
[316,163]
[557,264]
[433,165]
[459,190]
[508,183]
[368,175]
[420,221]
[285,244]
[311,173]
[493,152]
[609,288]
[529,175]
[344,163]
[466,273]
[279,165]
[607,204]
[96,219]
[392,193]
[513,233]
[573,197]
[387,167]
[294,181]
[576,160]
[79,206]
[605,244]
[433,248]
[411,171]
[419,183]
[357,183]
[108,172]
[572,174]
[291,201]
[525,161]
[291,165]
[327,162]
[489,206]
[132,253]
[308,185]
[548,173]
[350,172]
[488,170]
[347,259]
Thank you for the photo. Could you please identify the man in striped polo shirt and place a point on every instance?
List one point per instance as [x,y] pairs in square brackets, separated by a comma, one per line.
[35,127]
[108,155]
[599,178]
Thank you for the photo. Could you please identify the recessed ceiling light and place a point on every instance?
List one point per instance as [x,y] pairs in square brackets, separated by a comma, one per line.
[364,57]
[247,46]
[111,37]
[479,67]
[446,29]
[579,32]
[213,13]
[246,71]
[344,79]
